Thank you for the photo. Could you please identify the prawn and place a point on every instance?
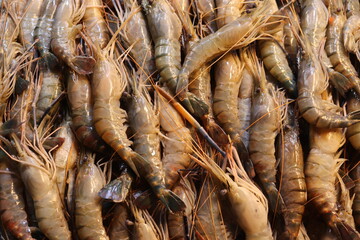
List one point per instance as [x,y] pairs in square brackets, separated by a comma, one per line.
[320,176]
[80,103]
[118,229]
[43,32]
[293,189]
[94,22]
[108,83]
[12,204]
[88,219]
[67,15]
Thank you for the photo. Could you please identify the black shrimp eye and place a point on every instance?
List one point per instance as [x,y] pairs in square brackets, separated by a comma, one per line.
[338,10]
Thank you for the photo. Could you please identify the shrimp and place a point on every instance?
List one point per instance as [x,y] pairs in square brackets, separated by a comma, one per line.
[335,47]
[234,35]
[293,189]
[356,202]
[144,225]
[353,131]
[320,173]
[108,83]
[165,28]
[80,103]
[177,144]
[43,190]
[266,116]
[94,22]
[136,35]
[43,32]
[88,219]
[118,229]
[209,222]
[351,34]
[228,79]
[12,204]
[206,10]
[64,31]
[179,225]
[65,156]
[29,22]
[247,202]
[51,89]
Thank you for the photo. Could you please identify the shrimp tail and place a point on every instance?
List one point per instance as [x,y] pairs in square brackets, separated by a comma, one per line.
[83,65]
[195,105]
[345,231]
[118,189]
[340,82]
[276,202]
[216,132]
[52,142]
[21,85]
[172,201]
[244,157]
[9,127]
[50,60]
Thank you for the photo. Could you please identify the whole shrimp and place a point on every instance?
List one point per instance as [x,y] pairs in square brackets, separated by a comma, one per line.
[118,229]
[266,116]
[67,15]
[177,143]
[108,83]
[293,185]
[29,22]
[43,190]
[275,60]
[247,202]
[80,103]
[12,205]
[353,131]
[320,173]
[65,156]
[88,219]
[43,32]
[335,47]
[94,22]
[165,27]
[179,225]
[136,35]
[234,35]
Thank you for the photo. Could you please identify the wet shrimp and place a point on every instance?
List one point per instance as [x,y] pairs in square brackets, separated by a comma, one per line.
[88,218]
[43,32]
[12,205]
[118,229]
[136,35]
[65,28]
[177,142]
[320,172]
[108,83]
[94,22]
[80,103]
[293,185]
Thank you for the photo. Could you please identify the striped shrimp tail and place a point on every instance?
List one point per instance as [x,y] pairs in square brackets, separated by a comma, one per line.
[172,201]
[345,231]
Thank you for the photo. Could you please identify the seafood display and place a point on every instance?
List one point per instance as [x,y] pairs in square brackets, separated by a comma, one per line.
[179,119]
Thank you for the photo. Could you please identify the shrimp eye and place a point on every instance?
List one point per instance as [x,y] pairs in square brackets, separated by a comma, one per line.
[338,10]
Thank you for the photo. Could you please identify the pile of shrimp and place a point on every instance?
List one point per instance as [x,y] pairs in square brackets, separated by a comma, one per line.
[179,119]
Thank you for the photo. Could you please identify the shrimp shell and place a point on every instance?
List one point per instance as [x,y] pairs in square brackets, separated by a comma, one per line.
[88,218]
[353,131]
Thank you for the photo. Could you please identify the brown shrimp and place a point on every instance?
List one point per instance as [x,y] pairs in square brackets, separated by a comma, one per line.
[43,191]
[12,204]
[65,156]
[43,32]
[266,116]
[67,15]
[179,225]
[136,35]
[88,219]
[207,13]
[177,143]
[356,203]
[320,172]
[94,22]
[293,185]
[118,229]
[335,47]
[231,36]
[353,131]
[80,103]
[108,83]
[51,89]
[29,22]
